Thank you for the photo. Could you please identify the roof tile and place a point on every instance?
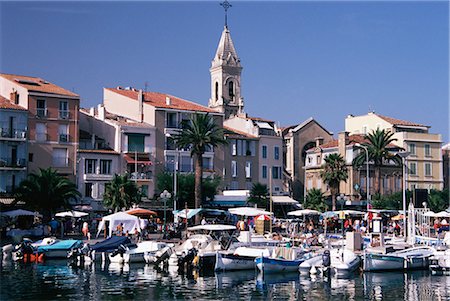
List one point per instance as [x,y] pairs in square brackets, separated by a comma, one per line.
[6,104]
[395,121]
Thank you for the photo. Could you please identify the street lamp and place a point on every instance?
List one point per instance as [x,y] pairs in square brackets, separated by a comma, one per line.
[342,198]
[404,155]
[367,172]
[165,195]
[175,171]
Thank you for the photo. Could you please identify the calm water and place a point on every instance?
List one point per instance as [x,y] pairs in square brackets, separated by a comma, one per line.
[55,280]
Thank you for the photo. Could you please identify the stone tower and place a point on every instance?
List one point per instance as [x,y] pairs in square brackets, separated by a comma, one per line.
[226,78]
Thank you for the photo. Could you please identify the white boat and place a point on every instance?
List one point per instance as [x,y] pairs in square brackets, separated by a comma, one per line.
[411,258]
[311,263]
[59,249]
[440,262]
[344,261]
[283,259]
[243,258]
[138,252]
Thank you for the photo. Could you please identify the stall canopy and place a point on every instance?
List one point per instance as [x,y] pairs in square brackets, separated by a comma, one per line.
[20,212]
[130,222]
[303,212]
[141,212]
[71,214]
[193,212]
[283,200]
[248,211]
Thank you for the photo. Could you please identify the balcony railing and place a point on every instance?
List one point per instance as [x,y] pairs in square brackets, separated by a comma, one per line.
[13,133]
[41,112]
[61,162]
[141,176]
[64,115]
[63,138]
[10,162]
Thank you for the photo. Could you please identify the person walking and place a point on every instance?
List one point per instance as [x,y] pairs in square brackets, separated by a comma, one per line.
[85,231]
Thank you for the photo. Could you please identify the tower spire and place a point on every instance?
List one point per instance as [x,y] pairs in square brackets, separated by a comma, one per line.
[226,5]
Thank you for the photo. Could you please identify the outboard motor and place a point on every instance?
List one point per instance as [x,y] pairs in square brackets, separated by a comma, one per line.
[185,261]
[326,260]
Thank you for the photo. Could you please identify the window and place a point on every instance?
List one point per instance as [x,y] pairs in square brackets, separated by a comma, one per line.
[398,183]
[144,190]
[207,163]
[41,108]
[216,89]
[239,147]
[231,90]
[248,169]
[364,129]
[309,185]
[276,172]
[276,154]
[233,147]
[427,150]
[264,172]
[233,169]
[89,167]
[30,157]
[318,159]
[63,109]
[249,148]
[412,148]
[170,143]
[171,120]
[413,168]
[319,183]
[264,151]
[170,163]
[88,190]
[41,132]
[234,185]
[105,167]
[60,158]
[428,169]
[62,133]
[186,164]
[136,143]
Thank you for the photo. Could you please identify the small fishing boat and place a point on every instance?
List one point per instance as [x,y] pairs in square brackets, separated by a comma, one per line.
[137,253]
[98,251]
[344,261]
[314,262]
[410,258]
[283,259]
[59,249]
[243,258]
[440,263]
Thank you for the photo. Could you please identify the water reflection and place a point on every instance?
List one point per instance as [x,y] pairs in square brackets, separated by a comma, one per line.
[55,279]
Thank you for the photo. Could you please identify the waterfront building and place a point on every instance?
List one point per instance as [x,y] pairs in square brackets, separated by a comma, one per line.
[425,167]
[13,145]
[355,188]
[445,163]
[297,139]
[52,121]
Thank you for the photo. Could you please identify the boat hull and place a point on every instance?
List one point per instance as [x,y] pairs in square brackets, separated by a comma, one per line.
[277,265]
[232,262]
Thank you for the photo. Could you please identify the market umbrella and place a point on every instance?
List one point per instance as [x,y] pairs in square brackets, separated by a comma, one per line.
[303,212]
[329,214]
[397,217]
[263,217]
[430,214]
[21,212]
[141,212]
[248,211]
[443,214]
[71,213]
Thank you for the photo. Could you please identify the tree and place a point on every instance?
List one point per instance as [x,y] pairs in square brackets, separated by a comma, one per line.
[47,192]
[259,194]
[438,200]
[315,200]
[199,134]
[334,171]
[121,192]
[377,147]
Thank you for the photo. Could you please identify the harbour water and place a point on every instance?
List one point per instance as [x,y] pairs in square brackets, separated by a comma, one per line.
[55,280]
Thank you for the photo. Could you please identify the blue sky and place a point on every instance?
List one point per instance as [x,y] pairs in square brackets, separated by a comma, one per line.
[300,59]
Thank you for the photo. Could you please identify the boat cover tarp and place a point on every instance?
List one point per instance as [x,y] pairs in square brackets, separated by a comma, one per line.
[111,244]
[61,245]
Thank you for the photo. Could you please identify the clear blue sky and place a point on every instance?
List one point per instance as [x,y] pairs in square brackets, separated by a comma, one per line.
[300,59]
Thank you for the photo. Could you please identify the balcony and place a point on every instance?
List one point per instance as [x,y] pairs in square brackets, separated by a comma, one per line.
[10,163]
[64,114]
[15,134]
[64,138]
[41,113]
[141,176]
[97,177]
[60,162]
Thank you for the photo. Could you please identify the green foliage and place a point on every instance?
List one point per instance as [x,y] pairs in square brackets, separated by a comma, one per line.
[438,200]
[209,187]
[390,202]
[334,171]
[46,191]
[259,194]
[315,200]
[121,192]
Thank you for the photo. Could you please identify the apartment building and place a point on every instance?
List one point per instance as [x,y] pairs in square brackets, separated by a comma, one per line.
[446,165]
[297,139]
[425,166]
[355,189]
[52,121]
[112,144]
[13,145]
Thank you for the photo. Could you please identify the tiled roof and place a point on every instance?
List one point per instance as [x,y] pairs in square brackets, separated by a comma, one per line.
[395,121]
[352,139]
[237,132]
[6,104]
[37,84]
[158,100]
[259,119]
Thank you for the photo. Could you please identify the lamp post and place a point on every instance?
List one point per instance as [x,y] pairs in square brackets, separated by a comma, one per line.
[367,173]
[175,172]
[404,155]
[165,195]
[342,198]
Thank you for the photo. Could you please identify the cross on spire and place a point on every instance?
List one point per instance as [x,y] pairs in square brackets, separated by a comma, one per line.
[226,5]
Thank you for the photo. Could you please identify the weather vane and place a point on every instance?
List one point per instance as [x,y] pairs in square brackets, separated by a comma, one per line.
[226,5]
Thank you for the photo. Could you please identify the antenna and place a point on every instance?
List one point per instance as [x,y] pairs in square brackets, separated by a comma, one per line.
[145,86]
[226,5]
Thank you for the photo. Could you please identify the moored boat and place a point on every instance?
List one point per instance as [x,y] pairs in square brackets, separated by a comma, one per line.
[243,258]
[440,263]
[59,249]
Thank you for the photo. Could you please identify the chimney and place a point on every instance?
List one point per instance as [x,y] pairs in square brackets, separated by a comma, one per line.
[342,143]
[141,105]
[101,112]
[319,141]
[92,111]
[168,101]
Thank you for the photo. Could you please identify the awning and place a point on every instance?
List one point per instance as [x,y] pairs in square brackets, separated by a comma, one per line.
[137,159]
[264,125]
[283,199]
[228,201]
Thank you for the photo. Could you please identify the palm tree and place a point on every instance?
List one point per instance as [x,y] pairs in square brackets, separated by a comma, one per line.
[377,147]
[258,194]
[199,134]
[315,200]
[121,192]
[334,171]
[47,192]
